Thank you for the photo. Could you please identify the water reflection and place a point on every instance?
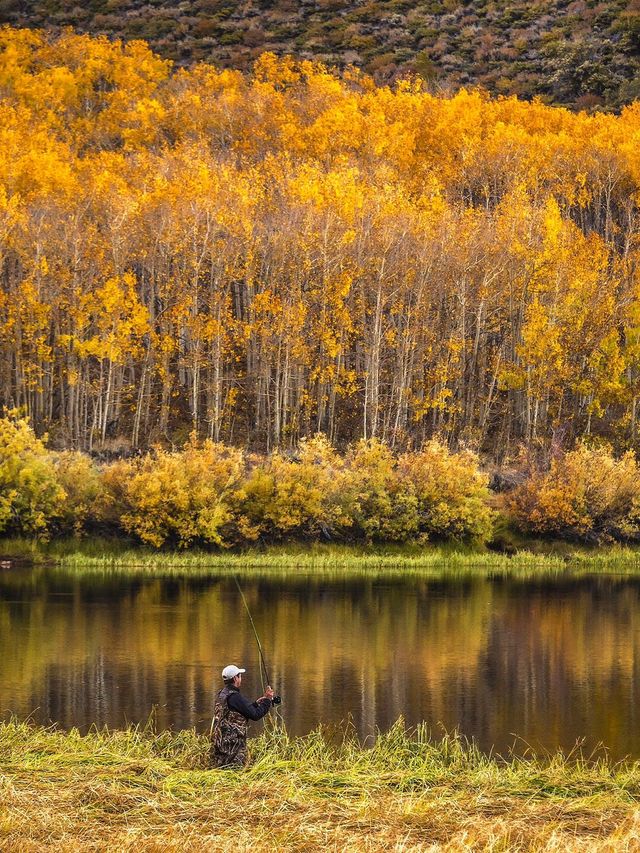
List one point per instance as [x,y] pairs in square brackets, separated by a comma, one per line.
[548,661]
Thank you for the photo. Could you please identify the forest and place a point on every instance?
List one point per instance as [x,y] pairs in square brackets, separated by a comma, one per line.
[258,257]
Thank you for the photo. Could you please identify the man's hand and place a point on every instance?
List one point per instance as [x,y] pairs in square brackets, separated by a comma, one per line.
[268,693]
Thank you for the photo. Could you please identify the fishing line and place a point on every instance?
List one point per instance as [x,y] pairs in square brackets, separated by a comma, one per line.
[276,699]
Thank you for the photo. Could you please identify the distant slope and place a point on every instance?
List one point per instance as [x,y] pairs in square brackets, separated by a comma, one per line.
[582,53]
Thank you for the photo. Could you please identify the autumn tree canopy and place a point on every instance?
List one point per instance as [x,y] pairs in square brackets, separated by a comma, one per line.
[262,257]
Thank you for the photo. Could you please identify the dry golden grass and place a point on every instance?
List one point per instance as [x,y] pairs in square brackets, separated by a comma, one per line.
[139,791]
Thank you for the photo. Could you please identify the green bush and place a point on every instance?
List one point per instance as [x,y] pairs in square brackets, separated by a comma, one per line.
[112,501]
[81,482]
[450,491]
[381,510]
[297,498]
[31,498]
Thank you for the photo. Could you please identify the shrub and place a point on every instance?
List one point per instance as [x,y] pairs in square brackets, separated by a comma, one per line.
[380,508]
[586,494]
[204,494]
[112,502]
[252,501]
[450,491]
[301,497]
[80,480]
[30,495]
[181,498]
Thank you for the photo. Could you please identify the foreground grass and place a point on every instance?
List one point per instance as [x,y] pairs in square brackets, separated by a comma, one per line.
[136,790]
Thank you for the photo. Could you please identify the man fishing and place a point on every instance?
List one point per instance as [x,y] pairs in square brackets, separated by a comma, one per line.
[231,716]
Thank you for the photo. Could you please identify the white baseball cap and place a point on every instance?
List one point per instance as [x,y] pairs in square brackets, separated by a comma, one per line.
[231,671]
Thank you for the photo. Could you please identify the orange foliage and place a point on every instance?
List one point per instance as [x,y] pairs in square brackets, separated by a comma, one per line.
[260,257]
[586,494]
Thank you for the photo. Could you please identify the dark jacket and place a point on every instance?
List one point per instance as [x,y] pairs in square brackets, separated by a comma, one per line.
[249,710]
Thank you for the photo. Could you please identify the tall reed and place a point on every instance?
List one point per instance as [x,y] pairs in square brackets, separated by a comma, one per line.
[144,790]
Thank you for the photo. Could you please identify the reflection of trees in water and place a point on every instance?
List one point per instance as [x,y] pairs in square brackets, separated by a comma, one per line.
[494,657]
[120,649]
[566,658]
[363,648]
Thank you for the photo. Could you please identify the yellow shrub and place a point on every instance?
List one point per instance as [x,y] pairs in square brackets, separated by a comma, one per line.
[303,497]
[451,493]
[31,498]
[181,498]
[382,510]
[112,501]
[81,482]
[586,494]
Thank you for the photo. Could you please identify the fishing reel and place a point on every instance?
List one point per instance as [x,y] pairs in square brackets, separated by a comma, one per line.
[277,700]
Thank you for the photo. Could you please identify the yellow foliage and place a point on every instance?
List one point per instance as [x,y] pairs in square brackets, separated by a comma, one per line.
[80,480]
[382,509]
[178,498]
[298,249]
[31,498]
[586,494]
[451,493]
[299,497]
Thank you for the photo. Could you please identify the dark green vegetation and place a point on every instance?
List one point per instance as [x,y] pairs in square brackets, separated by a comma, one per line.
[136,790]
[582,53]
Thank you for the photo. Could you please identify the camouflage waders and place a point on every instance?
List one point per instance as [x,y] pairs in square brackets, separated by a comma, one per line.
[229,735]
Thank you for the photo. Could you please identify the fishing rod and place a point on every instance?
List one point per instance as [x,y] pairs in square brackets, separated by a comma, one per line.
[276,699]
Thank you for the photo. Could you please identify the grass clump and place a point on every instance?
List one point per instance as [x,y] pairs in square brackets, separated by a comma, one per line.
[535,558]
[114,553]
[140,790]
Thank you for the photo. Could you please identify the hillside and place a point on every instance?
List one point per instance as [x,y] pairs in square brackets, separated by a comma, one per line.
[583,53]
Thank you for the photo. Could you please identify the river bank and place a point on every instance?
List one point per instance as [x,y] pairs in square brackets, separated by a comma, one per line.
[137,790]
[528,556]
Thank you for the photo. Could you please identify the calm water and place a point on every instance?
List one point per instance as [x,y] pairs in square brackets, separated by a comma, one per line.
[547,661]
